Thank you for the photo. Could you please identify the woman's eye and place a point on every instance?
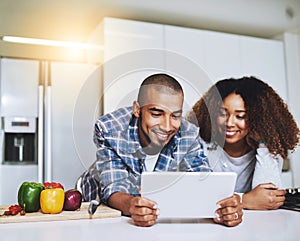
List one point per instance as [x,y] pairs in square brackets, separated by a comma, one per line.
[241,116]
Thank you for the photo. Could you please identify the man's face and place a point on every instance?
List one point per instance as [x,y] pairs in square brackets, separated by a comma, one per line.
[159,118]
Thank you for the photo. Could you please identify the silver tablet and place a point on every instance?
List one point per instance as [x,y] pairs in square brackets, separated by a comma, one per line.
[187,194]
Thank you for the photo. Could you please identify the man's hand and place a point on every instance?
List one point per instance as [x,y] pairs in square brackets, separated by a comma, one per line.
[230,212]
[264,197]
[143,211]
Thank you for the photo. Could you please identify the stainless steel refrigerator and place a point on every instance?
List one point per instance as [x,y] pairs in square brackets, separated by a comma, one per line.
[47,110]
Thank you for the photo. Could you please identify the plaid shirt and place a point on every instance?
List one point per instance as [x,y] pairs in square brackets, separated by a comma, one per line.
[120,157]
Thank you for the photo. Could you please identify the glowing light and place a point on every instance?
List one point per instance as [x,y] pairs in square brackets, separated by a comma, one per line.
[54,43]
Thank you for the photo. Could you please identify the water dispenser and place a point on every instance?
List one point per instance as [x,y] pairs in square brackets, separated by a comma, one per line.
[20,140]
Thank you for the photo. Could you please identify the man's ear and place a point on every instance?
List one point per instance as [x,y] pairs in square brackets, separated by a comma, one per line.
[136,109]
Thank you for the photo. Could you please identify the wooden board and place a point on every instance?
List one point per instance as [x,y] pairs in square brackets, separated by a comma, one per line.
[101,212]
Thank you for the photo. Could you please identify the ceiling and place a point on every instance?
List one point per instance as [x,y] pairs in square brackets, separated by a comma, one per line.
[75,20]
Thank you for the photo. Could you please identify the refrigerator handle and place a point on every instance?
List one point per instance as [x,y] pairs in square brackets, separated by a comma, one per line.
[48,157]
[40,133]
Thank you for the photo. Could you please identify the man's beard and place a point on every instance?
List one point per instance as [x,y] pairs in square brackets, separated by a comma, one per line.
[152,147]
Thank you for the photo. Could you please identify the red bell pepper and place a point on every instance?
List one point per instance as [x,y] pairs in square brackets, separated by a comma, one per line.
[52,185]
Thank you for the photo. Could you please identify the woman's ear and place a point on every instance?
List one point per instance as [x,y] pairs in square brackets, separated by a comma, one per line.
[136,109]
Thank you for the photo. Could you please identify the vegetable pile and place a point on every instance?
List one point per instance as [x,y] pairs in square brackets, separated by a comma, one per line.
[48,197]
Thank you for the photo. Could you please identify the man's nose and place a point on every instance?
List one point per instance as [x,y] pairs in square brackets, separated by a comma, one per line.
[166,124]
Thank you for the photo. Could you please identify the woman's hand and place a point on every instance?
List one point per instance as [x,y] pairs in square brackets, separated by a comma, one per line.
[264,197]
[230,212]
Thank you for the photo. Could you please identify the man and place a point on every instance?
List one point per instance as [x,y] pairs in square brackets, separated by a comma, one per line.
[149,136]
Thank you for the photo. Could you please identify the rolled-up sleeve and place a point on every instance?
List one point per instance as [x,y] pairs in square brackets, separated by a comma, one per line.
[114,174]
[267,168]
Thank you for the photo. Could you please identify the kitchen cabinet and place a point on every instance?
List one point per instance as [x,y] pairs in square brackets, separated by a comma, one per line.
[132,51]
[223,55]
[198,58]
[216,55]
[264,58]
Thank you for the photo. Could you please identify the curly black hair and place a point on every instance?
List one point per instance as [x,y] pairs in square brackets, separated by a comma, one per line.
[267,115]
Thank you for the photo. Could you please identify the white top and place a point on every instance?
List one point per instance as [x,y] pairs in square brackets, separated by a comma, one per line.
[253,168]
[150,162]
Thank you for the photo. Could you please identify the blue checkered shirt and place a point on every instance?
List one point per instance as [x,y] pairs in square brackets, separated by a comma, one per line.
[120,157]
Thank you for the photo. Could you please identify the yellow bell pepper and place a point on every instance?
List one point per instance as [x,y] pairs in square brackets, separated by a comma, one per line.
[52,200]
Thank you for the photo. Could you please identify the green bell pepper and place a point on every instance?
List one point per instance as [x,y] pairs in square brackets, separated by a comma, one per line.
[29,196]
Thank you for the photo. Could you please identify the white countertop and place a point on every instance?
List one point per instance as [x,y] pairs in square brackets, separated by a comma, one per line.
[277,225]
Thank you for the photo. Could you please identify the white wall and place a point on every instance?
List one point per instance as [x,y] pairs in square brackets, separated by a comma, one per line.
[292,58]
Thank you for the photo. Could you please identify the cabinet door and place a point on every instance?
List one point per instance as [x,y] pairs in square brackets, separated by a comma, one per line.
[186,42]
[133,50]
[185,59]
[222,55]
[264,59]
[19,87]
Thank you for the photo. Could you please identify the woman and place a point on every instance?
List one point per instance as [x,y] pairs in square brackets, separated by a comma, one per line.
[247,129]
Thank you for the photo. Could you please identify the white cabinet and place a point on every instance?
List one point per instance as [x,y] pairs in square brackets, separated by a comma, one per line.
[186,42]
[198,58]
[132,51]
[121,36]
[264,58]
[224,55]
[185,60]
[218,54]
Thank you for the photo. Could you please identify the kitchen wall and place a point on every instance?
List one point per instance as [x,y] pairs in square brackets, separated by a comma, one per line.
[292,58]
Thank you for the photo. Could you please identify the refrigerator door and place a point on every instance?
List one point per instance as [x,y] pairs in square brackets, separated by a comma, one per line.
[19,83]
[19,100]
[75,92]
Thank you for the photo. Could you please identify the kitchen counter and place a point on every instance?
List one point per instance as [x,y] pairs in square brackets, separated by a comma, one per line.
[276,225]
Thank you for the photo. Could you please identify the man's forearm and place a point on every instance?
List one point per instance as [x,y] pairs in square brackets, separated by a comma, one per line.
[121,201]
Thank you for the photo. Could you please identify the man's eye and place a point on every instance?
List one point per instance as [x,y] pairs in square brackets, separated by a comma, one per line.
[156,114]
[176,117]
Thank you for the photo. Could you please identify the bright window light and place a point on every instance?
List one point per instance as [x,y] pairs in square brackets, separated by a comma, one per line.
[47,42]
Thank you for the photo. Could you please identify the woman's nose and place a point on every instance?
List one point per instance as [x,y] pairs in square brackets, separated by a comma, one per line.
[230,120]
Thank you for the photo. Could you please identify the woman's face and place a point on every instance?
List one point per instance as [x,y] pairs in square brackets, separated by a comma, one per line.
[232,123]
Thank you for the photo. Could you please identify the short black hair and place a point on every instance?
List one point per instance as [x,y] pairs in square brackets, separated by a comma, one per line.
[159,80]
